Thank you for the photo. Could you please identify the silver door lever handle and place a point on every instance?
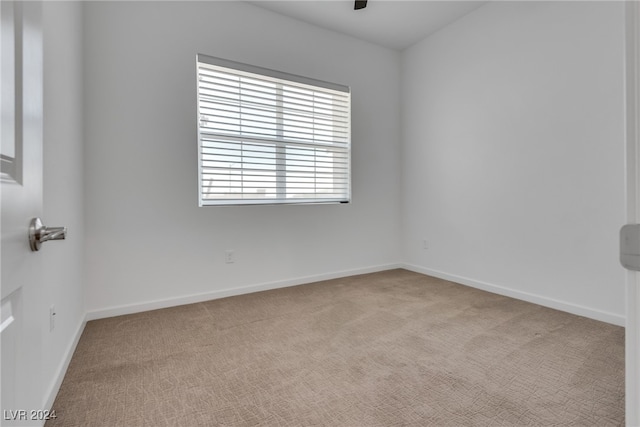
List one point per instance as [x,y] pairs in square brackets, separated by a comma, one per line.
[38,234]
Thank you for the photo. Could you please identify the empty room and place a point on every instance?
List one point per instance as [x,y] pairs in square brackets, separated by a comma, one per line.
[336,213]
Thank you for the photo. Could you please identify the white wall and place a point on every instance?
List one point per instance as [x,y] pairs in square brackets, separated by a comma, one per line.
[63,187]
[513,153]
[146,238]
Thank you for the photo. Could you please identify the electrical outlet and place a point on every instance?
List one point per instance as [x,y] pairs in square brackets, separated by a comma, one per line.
[52,317]
[425,244]
[229,256]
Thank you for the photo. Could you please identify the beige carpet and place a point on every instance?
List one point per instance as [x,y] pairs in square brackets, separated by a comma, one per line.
[387,349]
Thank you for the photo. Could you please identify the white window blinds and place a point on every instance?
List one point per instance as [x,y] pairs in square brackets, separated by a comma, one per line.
[266,137]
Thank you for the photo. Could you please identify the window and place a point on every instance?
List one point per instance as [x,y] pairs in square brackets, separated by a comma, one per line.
[266,137]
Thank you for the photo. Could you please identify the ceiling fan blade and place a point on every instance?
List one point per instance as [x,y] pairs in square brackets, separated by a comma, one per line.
[360,4]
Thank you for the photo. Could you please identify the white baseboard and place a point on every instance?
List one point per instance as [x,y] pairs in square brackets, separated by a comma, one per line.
[64,365]
[500,290]
[190,299]
[579,310]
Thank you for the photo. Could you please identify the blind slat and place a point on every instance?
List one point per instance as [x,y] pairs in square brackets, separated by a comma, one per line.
[290,108]
[232,108]
[211,136]
[207,74]
[248,129]
[245,88]
[250,173]
[292,152]
[331,126]
[217,64]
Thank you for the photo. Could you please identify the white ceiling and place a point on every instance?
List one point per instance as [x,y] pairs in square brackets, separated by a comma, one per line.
[391,23]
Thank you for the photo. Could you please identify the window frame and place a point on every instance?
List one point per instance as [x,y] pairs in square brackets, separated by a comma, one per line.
[278,142]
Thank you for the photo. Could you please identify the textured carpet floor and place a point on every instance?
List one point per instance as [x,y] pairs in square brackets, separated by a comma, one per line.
[393,348]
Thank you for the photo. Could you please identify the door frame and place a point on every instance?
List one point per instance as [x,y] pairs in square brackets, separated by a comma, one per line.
[632,332]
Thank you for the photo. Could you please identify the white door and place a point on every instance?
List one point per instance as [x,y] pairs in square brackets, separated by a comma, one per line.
[22,312]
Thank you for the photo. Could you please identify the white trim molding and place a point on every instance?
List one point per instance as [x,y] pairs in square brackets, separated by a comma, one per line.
[632,336]
[524,296]
[62,368]
[496,289]
[190,299]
